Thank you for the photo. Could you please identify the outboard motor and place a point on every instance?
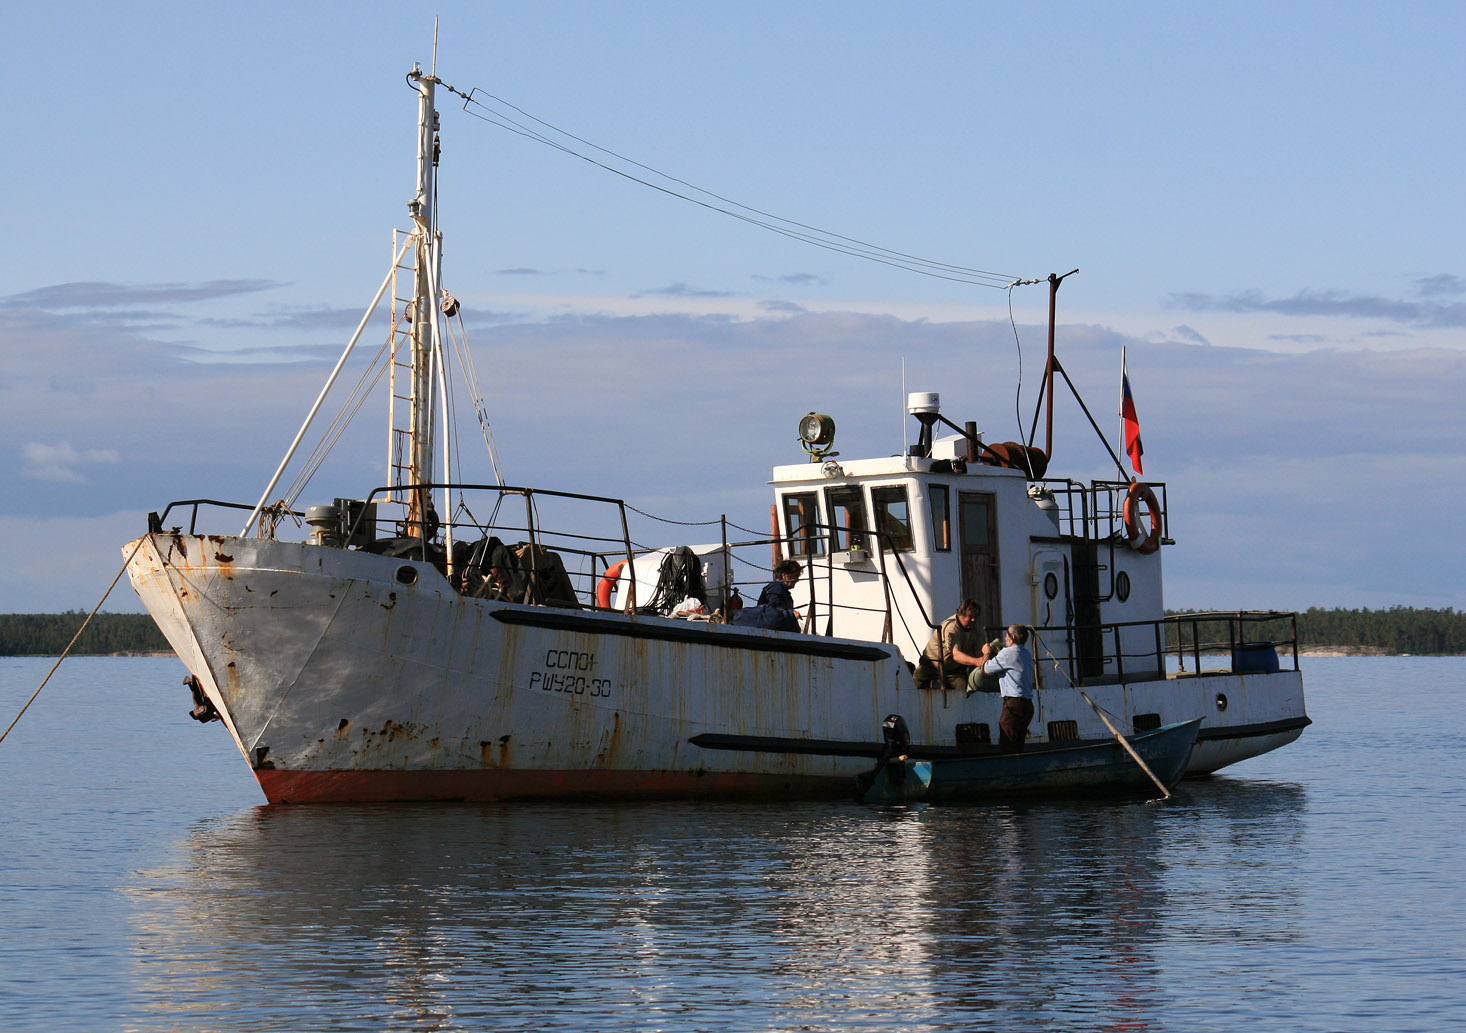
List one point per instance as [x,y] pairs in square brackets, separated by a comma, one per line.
[895,733]
[897,737]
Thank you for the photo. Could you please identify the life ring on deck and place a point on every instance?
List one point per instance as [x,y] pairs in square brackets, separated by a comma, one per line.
[608,584]
[1135,533]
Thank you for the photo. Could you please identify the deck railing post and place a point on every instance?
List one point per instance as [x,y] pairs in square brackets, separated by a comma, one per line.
[830,593]
[630,567]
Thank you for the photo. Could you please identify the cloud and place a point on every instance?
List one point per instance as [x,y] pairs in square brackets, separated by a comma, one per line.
[1241,543]
[98,294]
[682,290]
[1187,333]
[781,306]
[792,278]
[59,462]
[1443,283]
[1313,339]
[1338,303]
[526,271]
[66,562]
[1279,465]
[308,319]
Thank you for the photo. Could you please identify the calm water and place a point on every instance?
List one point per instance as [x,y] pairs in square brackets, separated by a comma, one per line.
[144,887]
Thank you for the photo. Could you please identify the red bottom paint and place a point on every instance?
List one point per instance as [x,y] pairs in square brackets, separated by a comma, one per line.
[426,786]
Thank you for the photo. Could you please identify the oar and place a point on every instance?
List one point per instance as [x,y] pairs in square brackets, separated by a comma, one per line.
[1165,793]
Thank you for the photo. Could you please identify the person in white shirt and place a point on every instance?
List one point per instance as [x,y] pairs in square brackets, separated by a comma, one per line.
[1013,665]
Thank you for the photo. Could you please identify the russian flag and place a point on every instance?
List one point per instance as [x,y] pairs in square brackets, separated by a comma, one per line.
[1128,420]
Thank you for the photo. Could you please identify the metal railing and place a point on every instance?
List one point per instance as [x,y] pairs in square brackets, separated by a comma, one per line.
[1234,633]
[155,520]
[1096,511]
[1251,641]
[588,553]
[1092,653]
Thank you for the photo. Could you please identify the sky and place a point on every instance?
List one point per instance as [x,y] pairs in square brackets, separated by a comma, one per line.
[1263,202]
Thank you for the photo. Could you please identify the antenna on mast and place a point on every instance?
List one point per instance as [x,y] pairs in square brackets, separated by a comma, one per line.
[435,47]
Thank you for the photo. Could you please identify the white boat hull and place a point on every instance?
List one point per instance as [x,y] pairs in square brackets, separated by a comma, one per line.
[340,681]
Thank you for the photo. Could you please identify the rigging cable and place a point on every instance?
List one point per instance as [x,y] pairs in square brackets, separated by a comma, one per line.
[459,341]
[365,384]
[809,234]
[1018,388]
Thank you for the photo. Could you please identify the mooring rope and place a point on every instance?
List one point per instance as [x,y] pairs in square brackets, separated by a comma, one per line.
[66,652]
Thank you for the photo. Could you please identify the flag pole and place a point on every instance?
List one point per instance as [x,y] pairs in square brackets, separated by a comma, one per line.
[1129,421]
[1120,438]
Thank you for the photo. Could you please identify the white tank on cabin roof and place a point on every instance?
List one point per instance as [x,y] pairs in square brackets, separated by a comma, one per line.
[953,446]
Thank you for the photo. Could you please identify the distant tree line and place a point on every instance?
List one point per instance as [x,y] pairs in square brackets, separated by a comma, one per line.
[1399,629]
[46,634]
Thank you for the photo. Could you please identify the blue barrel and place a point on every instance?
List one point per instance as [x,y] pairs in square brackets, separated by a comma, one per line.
[1255,658]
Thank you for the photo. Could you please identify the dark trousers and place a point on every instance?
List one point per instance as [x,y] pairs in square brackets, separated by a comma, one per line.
[953,675]
[1013,724]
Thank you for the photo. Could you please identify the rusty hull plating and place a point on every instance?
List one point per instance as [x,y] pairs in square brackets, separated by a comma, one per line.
[338,682]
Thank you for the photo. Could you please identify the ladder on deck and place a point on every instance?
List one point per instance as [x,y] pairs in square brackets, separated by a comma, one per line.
[400,403]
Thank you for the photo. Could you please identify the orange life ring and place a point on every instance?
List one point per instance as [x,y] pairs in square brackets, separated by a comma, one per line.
[1135,533]
[608,584]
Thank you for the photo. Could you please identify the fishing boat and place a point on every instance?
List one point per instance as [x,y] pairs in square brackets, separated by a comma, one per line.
[439,638]
[1095,769]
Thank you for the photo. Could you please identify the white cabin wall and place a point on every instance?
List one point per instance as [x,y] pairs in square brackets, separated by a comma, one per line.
[1020,521]
[931,589]
[1009,489]
[1144,603]
[1052,558]
[1028,545]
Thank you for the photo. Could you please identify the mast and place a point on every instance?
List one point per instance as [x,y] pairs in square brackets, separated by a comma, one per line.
[422,208]
[1054,280]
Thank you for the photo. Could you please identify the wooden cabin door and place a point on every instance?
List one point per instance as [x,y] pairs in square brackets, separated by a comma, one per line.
[978,527]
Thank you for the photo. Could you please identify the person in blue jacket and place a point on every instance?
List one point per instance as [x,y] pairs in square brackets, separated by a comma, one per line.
[775,607]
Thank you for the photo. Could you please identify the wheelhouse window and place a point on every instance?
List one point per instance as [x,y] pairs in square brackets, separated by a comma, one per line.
[939,499]
[847,514]
[801,524]
[976,521]
[892,516]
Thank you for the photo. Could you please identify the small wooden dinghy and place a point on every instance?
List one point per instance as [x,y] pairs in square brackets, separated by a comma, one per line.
[1095,769]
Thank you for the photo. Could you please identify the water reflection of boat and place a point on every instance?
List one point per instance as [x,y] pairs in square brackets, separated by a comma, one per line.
[1097,769]
[489,917]
[508,642]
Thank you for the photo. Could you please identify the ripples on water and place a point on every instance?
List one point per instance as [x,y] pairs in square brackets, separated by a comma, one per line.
[1314,889]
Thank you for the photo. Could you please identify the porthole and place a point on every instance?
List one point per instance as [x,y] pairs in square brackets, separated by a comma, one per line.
[1122,586]
[407,575]
[1221,701]
[1051,585]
